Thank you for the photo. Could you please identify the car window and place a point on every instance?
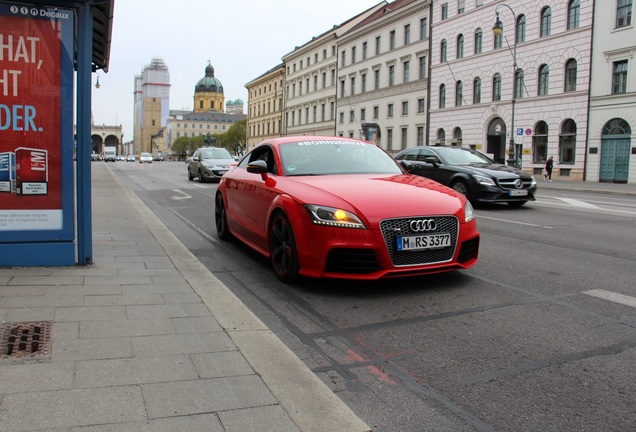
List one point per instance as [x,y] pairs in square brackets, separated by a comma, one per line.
[410,155]
[215,153]
[263,153]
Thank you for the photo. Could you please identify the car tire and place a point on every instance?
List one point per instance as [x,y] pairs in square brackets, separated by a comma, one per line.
[201,178]
[190,176]
[220,218]
[460,187]
[282,248]
[516,203]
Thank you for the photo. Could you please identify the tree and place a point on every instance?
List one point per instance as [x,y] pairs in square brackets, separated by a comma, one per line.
[235,139]
[186,145]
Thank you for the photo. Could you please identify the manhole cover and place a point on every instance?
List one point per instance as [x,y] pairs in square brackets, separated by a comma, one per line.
[25,341]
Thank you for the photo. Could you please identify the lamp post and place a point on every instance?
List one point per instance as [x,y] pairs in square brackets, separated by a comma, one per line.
[498,31]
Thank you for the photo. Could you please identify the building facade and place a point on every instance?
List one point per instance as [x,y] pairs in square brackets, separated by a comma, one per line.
[382,76]
[265,109]
[151,102]
[611,151]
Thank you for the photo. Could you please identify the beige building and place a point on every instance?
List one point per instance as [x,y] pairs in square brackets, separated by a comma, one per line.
[265,109]
[151,101]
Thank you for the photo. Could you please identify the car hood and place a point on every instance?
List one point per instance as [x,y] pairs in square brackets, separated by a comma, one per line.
[495,170]
[218,162]
[377,197]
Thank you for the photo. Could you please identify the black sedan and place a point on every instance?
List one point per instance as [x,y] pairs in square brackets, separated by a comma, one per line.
[470,172]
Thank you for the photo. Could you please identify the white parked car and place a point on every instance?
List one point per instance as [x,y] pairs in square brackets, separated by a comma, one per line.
[145,157]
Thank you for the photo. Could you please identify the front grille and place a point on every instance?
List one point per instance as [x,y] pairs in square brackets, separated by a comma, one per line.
[358,261]
[468,250]
[509,183]
[391,228]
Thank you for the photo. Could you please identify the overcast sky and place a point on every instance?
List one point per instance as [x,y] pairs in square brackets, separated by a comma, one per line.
[242,39]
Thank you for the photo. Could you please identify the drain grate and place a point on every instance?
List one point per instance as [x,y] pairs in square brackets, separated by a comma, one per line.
[24,341]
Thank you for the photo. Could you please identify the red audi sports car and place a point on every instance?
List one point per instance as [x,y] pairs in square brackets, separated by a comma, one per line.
[333,207]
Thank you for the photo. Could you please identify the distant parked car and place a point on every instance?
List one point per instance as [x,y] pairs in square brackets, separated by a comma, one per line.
[131,158]
[475,175]
[209,163]
[145,157]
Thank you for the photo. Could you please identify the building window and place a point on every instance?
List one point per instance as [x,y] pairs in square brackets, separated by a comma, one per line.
[376,112]
[496,88]
[377,45]
[423,25]
[353,55]
[461,6]
[520,33]
[391,75]
[407,34]
[567,142]
[342,59]
[324,80]
[444,11]
[441,136]
[420,136]
[351,116]
[442,96]
[322,112]
[315,108]
[574,12]
[420,105]
[623,13]
[392,39]
[353,86]
[406,66]
[364,83]
[442,51]
[540,143]
[422,73]
[333,77]
[498,41]
[376,79]
[478,41]
[570,75]
[460,46]
[364,50]
[342,88]
[363,114]
[315,82]
[544,75]
[519,84]
[389,139]
[332,110]
[546,21]
[341,118]
[458,93]
[619,78]
[477,90]
[404,138]
[405,108]
[389,110]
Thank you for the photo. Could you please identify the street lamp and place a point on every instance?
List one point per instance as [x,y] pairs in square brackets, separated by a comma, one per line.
[498,31]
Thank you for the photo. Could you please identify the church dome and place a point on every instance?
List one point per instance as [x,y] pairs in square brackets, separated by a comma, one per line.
[229,103]
[209,84]
[238,102]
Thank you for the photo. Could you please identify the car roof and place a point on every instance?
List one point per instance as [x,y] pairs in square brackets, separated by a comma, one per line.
[275,142]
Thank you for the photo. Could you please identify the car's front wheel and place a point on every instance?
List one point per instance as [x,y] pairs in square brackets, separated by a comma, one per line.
[282,248]
[220,218]
[190,176]
[460,187]
[201,178]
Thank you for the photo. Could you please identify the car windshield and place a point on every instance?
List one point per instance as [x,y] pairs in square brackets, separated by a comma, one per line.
[335,157]
[215,153]
[458,156]
[145,155]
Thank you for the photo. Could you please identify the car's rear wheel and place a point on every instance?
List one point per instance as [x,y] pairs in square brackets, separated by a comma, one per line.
[201,178]
[220,218]
[516,203]
[460,187]
[282,248]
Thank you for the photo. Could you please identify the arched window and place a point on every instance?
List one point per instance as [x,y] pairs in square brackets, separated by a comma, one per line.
[617,126]
[478,41]
[477,90]
[457,137]
[459,90]
[520,34]
[460,46]
[570,76]
[544,75]
[567,142]
[540,143]
[496,87]
[546,21]
[442,51]
[519,85]
[574,12]
[441,136]
[442,96]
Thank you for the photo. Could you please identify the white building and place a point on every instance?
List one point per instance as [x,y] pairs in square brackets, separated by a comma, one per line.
[382,76]
[310,81]
[611,153]
[473,71]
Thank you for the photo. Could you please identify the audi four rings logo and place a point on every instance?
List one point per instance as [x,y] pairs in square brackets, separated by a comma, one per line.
[420,225]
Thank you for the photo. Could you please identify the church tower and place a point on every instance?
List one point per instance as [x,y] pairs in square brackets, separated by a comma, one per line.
[208,93]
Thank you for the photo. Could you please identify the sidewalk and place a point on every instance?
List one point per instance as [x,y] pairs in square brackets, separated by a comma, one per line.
[147,339]
[581,186]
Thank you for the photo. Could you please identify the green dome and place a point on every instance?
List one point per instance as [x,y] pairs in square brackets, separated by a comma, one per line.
[238,102]
[208,83]
[229,103]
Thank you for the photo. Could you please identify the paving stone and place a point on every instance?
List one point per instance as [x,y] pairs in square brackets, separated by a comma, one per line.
[220,364]
[167,311]
[177,298]
[34,377]
[205,324]
[90,313]
[267,418]
[193,423]
[29,314]
[41,301]
[150,346]
[156,289]
[85,290]
[21,290]
[123,328]
[65,331]
[124,300]
[46,280]
[91,349]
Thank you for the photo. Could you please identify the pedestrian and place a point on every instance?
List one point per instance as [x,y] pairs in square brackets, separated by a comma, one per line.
[547,170]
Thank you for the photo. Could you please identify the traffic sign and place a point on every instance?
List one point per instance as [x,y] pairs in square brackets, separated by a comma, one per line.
[519,131]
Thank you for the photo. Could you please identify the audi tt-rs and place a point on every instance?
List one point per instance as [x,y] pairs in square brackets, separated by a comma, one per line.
[343,208]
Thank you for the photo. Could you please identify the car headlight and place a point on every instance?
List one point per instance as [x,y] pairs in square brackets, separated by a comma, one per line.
[469,212]
[334,217]
[484,180]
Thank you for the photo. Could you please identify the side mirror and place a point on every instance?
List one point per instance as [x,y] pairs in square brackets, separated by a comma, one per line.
[407,165]
[257,167]
[432,160]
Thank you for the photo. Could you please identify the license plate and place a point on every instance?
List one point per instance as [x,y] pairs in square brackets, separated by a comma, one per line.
[518,192]
[423,242]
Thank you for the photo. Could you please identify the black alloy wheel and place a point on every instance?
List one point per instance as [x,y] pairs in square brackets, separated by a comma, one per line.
[282,248]
[220,218]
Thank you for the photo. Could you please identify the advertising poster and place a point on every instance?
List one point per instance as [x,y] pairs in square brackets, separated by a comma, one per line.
[36,123]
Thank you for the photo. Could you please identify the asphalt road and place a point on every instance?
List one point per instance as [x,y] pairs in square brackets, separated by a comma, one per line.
[539,335]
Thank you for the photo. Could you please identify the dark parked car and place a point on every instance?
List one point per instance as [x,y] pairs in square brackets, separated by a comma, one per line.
[209,163]
[472,173]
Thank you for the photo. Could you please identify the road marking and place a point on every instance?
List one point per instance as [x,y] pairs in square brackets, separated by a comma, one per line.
[510,221]
[577,203]
[612,296]
[183,195]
